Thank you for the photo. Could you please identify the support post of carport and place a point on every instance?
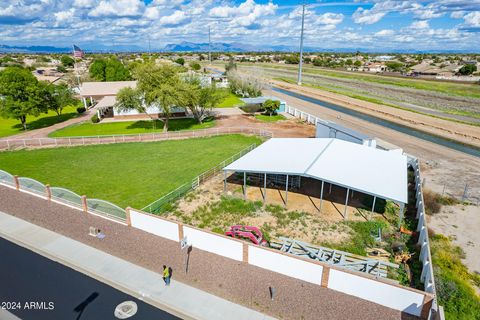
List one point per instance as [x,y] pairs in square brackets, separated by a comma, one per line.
[244,186]
[225,181]
[373,205]
[402,208]
[321,198]
[84,102]
[91,101]
[265,188]
[346,204]
[286,191]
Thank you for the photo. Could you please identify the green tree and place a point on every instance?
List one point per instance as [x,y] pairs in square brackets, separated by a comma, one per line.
[59,96]
[357,63]
[395,66]
[467,69]
[110,69]
[199,100]
[21,95]
[180,61]
[195,66]
[349,62]
[157,87]
[67,61]
[271,106]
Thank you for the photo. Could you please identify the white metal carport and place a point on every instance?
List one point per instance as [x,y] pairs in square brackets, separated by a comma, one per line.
[355,167]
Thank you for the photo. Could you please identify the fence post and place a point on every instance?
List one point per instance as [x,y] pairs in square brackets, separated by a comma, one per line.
[49,192]
[17,183]
[129,220]
[70,141]
[84,204]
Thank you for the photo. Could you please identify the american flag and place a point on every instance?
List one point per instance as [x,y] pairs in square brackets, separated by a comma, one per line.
[77,52]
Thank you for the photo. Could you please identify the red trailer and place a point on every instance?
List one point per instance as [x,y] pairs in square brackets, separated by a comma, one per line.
[253,234]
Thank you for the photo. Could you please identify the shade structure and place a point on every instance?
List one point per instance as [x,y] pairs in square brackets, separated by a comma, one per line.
[372,171]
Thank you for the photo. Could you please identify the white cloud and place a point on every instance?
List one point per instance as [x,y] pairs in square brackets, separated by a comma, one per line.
[421,24]
[457,14]
[118,8]
[330,18]
[385,33]
[176,18]
[364,16]
[83,3]
[472,19]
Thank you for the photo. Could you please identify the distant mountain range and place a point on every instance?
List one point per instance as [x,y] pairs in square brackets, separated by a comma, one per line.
[204,47]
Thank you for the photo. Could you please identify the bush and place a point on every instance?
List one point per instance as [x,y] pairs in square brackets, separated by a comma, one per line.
[81,109]
[95,119]
[432,202]
[252,108]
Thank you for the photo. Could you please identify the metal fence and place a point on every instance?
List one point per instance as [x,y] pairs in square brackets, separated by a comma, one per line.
[160,204]
[427,276]
[8,144]
[302,115]
[63,196]
[7,179]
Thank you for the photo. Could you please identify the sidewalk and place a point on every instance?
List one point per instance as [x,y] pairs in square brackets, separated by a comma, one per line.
[179,299]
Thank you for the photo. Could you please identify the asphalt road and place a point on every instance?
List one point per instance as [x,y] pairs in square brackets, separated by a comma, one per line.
[27,277]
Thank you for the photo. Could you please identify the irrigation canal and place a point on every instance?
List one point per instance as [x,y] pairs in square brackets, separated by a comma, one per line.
[471,150]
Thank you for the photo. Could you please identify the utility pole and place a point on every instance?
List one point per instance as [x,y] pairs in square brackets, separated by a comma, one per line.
[209,47]
[299,82]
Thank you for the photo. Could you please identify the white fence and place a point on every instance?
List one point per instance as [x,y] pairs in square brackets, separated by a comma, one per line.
[427,277]
[302,115]
[213,243]
[286,265]
[154,225]
[380,291]
[7,144]
[389,295]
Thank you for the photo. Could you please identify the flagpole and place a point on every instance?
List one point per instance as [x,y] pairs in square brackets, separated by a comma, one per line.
[75,67]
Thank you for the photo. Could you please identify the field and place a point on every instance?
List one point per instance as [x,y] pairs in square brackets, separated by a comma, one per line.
[267,118]
[129,127]
[10,127]
[230,101]
[131,174]
[452,101]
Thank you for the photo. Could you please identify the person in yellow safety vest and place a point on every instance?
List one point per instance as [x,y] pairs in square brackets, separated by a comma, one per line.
[166,275]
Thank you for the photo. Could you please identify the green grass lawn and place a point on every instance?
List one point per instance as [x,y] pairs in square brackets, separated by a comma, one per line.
[10,127]
[230,101]
[129,127]
[454,282]
[128,174]
[267,118]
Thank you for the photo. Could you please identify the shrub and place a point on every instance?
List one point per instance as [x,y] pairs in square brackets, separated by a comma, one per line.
[95,119]
[81,109]
[432,202]
[252,108]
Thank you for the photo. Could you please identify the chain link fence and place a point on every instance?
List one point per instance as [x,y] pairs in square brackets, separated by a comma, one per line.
[165,201]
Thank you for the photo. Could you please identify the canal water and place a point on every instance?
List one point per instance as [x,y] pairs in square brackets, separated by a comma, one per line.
[471,150]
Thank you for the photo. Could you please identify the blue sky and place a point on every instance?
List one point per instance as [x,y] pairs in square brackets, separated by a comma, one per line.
[379,25]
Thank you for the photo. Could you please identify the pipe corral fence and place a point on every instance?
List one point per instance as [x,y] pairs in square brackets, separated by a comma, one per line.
[9,144]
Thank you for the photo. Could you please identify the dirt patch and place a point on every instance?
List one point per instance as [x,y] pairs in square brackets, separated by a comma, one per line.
[300,220]
[290,128]
[460,223]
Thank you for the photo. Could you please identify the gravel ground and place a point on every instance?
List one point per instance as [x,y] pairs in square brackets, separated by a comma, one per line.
[235,281]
